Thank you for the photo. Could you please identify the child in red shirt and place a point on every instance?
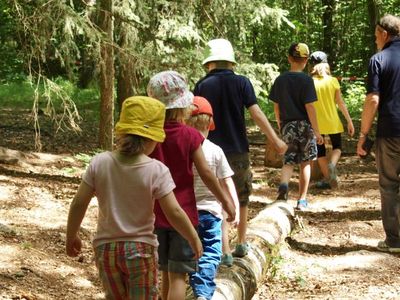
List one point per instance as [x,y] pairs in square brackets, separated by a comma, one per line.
[181,148]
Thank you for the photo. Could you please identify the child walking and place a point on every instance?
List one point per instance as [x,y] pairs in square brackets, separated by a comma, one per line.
[293,94]
[230,95]
[126,183]
[329,123]
[209,209]
[181,148]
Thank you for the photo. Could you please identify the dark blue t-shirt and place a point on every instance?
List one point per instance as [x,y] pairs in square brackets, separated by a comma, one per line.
[229,95]
[384,79]
[292,90]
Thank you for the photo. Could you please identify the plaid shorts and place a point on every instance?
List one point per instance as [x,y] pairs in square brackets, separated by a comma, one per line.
[128,270]
[301,141]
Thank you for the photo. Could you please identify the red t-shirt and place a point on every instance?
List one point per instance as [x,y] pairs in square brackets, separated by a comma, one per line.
[176,153]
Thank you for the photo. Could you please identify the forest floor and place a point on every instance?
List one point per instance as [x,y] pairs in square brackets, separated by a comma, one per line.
[331,253]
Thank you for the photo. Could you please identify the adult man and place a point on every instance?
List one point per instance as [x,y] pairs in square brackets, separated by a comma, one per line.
[383,96]
[229,94]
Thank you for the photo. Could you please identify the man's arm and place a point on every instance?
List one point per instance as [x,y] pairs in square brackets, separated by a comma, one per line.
[367,118]
[261,120]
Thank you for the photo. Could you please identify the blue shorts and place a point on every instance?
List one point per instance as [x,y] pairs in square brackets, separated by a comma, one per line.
[301,141]
[174,252]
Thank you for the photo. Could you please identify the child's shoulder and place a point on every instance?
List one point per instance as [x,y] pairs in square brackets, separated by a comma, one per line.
[211,148]
[106,155]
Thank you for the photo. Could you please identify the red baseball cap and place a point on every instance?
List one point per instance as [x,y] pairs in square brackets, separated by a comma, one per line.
[202,106]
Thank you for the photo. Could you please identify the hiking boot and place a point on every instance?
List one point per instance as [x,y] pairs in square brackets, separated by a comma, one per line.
[283,192]
[227,260]
[382,246]
[333,179]
[302,204]
[323,185]
[241,250]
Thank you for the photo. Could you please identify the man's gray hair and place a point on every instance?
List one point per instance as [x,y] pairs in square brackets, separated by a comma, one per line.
[391,24]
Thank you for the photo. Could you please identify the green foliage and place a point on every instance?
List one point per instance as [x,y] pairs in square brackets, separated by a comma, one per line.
[16,94]
[43,40]
[354,96]
[261,76]
[21,94]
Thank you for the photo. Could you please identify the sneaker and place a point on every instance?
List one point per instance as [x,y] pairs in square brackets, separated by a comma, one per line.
[201,298]
[302,204]
[323,185]
[241,250]
[382,246]
[227,260]
[333,180]
[282,192]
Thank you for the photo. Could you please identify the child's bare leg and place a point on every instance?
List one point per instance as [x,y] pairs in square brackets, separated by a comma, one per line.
[323,166]
[164,285]
[242,227]
[305,174]
[225,237]
[286,173]
[177,286]
[335,156]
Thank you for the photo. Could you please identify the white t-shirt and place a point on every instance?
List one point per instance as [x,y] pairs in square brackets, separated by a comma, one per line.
[126,194]
[216,160]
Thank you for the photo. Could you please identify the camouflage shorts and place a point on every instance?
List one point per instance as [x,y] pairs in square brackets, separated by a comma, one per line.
[301,141]
[243,177]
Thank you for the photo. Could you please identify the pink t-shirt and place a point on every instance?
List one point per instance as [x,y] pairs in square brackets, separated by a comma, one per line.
[176,153]
[126,195]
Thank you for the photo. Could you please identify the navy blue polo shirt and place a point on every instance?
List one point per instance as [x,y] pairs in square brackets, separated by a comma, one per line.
[384,79]
[229,94]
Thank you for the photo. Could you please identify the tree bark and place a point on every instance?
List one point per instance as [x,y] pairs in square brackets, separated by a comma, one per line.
[327,25]
[126,67]
[373,14]
[106,77]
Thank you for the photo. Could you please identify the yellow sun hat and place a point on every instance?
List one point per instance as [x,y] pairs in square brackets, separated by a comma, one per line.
[142,116]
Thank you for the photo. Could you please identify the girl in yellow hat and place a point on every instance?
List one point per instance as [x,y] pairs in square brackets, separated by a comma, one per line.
[127,183]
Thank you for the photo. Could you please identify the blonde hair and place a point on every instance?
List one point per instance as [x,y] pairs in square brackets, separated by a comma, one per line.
[177,114]
[130,144]
[321,69]
[200,122]
[220,64]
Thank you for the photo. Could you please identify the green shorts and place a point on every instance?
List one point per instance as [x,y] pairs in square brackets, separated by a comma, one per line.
[243,177]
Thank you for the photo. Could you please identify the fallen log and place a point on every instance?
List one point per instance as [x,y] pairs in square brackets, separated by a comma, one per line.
[270,227]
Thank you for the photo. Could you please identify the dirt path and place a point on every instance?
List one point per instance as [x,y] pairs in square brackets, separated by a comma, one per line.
[330,255]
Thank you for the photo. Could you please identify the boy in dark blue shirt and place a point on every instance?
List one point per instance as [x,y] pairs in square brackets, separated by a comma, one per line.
[293,94]
[229,95]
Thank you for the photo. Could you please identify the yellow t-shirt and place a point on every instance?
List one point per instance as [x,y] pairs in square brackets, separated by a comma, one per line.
[326,110]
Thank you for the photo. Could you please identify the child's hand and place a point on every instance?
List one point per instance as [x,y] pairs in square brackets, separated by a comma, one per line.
[320,139]
[350,129]
[281,147]
[197,248]
[74,246]
[230,209]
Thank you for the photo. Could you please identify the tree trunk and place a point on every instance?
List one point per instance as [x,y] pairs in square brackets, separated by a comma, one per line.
[126,67]
[271,226]
[327,25]
[106,77]
[373,14]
